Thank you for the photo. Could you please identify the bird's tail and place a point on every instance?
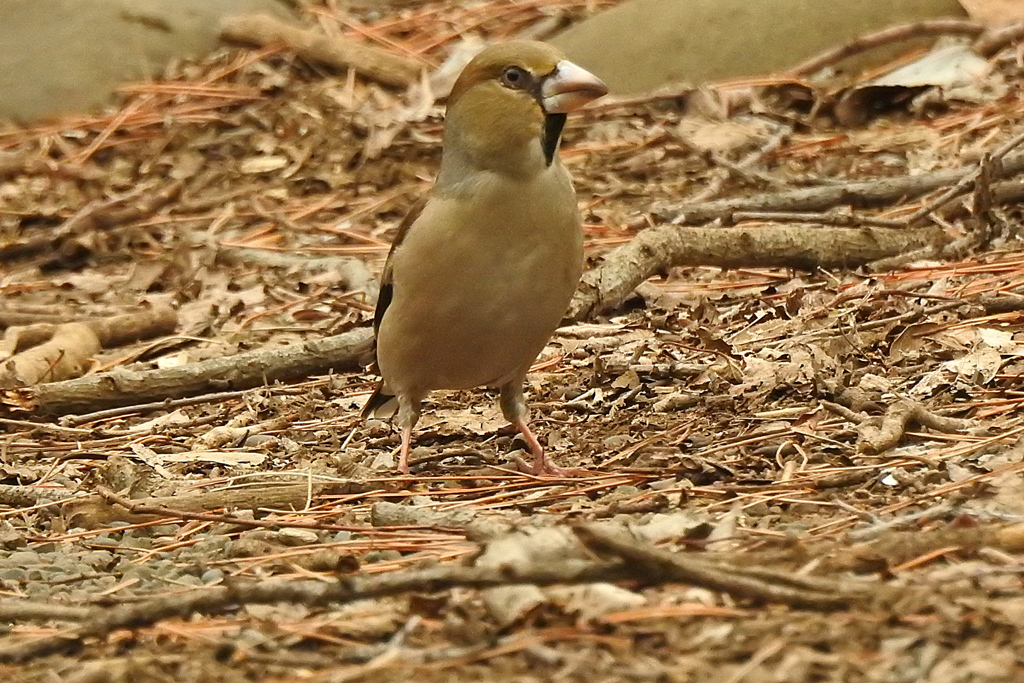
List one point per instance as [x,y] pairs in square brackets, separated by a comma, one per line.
[382,404]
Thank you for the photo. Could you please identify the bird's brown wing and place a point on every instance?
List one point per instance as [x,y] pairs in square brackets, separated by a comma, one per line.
[387,288]
[381,396]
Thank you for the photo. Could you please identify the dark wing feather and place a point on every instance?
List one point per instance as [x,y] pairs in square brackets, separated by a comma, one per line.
[381,396]
[387,288]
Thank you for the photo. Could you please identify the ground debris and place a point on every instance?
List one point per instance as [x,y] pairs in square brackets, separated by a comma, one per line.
[798,470]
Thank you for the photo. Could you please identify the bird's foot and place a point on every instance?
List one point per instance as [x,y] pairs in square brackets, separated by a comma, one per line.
[543,467]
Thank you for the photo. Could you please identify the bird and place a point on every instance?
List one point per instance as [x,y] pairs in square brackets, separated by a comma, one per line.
[482,269]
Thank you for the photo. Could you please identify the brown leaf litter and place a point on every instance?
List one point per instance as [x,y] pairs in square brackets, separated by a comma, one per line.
[800,471]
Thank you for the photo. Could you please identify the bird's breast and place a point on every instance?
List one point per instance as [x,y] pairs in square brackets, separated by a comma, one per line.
[481,282]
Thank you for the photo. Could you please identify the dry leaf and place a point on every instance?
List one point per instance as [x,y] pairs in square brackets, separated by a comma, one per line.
[263,164]
[980,366]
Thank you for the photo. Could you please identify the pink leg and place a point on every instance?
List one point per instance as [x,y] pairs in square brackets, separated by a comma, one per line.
[542,464]
[403,454]
[408,415]
[513,407]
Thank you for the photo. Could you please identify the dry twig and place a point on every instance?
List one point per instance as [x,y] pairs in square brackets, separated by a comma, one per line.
[245,370]
[632,561]
[144,507]
[744,582]
[880,433]
[860,193]
[892,34]
[338,52]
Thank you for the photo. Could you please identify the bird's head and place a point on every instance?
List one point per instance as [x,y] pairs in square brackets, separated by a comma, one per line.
[507,108]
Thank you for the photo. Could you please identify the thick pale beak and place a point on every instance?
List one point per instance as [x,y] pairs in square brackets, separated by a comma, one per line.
[569,87]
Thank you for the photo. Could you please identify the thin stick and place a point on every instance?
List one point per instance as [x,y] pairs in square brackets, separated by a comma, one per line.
[893,34]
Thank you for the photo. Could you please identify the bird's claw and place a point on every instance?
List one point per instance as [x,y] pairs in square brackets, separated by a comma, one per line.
[545,468]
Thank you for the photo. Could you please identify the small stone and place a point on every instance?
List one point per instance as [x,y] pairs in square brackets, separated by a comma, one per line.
[22,558]
[382,556]
[211,545]
[140,572]
[97,558]
[212,576]
[36,589]
[139,542]
[294,537]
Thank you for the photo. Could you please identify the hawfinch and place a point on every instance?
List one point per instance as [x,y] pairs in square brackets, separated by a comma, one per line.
[481,272]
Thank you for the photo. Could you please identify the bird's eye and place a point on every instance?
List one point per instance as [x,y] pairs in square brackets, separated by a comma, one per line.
[514,77]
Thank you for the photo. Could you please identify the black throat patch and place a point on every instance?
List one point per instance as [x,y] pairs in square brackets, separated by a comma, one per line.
[553,124]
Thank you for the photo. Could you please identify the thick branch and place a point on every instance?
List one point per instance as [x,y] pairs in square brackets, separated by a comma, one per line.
[632,561]
[339,52]
[241,371]
[105,620]
[859,194]
[794,246]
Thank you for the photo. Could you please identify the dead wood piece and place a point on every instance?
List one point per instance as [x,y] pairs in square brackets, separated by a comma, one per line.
[26,610]
[854,416]
[892,34]
[19,338]
[894,547]
[632,561]
[24,496]
[861,193]
[66,355]
[484,526]
[749,583]
[46,428]
[656,249]
[338,52]
[131,327]
[113,331]
[170,404]
[97,511]
[121,386]
[879,434]
[996,39]
[105,620]
[841,479]
[642,562]
[72,345]
[237,431]
[16,317]
[881,527]
[276,496]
